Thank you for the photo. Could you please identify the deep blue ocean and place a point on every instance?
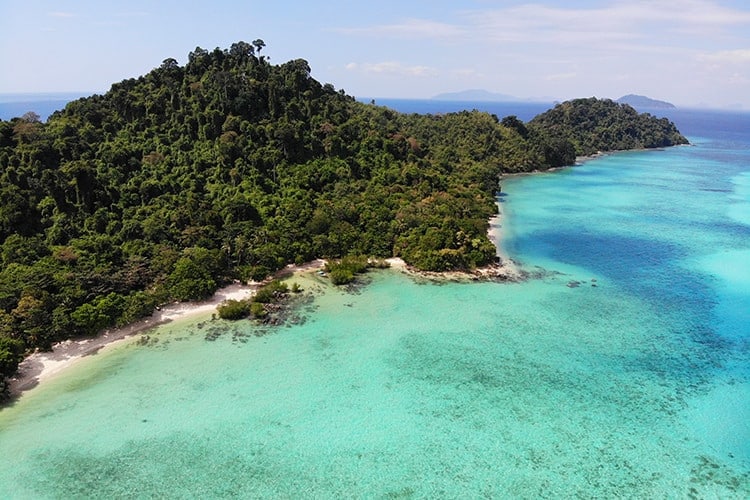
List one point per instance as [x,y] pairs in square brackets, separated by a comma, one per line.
[621,368]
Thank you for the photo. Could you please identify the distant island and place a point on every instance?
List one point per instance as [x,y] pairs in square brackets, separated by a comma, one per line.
[475,95]
[640,101]
[229,168]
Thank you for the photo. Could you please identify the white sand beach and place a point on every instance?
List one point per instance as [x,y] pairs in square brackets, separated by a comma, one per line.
[43,365]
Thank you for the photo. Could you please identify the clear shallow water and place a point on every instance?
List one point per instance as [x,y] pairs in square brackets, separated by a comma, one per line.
[638,386]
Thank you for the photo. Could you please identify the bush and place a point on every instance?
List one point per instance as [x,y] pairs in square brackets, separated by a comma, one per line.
[137,305]
[341,276]
[259,273]
[11,353]
[257,310]
[233,309]
[268,293]
[189,281]
[344,271]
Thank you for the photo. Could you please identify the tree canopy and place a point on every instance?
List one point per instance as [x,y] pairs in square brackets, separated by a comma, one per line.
[229,167]
[593,125]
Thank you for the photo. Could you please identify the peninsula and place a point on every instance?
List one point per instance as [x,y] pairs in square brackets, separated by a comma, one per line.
[229,168]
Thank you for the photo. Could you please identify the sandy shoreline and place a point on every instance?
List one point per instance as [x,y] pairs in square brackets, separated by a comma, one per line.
[44,365]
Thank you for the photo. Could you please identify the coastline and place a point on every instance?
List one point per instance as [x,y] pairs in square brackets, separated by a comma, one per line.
[41,366]
[44,365]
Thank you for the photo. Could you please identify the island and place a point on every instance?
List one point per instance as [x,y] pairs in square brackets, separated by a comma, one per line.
[640,101]
[229,168]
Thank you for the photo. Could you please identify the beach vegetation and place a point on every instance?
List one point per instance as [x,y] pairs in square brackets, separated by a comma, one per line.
[11,354]
[257,310]
[345,270]
[234,309]
[270,292]
[190,281]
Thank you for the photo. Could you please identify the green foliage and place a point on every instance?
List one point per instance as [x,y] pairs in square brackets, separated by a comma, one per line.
[344,270]
[137,305]
[233,309]
[594,125]
[230,167]
[190,281]
[257,310]
[11,353]
[270,292]
[89,319]
[341,276]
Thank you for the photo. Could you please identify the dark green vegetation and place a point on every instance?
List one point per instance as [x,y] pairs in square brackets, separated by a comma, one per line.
[259,304]
[229,167]
[345,270]
[594,125]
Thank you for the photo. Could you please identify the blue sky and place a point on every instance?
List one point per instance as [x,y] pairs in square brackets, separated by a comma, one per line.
[690,52]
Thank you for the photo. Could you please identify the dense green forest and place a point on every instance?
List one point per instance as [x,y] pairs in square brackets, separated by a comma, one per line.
[230,167]
[593,125]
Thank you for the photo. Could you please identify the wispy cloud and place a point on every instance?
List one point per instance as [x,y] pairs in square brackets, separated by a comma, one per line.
[630,22]
[739,56]
[409,28]
[392,68]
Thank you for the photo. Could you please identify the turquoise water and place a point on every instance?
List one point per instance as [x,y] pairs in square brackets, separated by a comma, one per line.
[620,369]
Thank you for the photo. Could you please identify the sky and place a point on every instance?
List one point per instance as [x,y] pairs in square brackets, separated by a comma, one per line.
[689,52]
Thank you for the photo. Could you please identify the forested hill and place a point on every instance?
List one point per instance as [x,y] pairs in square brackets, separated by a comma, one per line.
[230,167]
[594,125]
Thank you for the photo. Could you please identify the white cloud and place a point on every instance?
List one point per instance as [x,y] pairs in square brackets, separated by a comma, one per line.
[639,22]
[392,68]
[409,28]
[739,56]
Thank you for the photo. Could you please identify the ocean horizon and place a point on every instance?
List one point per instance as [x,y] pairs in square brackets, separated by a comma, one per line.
[620,368]
[13,105]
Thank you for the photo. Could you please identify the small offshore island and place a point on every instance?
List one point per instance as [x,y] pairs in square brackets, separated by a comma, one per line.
[229,168]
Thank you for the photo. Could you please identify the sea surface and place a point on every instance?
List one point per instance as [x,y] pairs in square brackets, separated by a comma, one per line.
[16,105]
[621,368]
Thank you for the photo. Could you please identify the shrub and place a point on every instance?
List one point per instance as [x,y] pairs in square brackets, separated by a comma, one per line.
[233,309]
[257,310]
[341,276]
[268,293]
[344,271]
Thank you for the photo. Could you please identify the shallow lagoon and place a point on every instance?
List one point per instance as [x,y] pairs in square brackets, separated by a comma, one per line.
[620,369]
